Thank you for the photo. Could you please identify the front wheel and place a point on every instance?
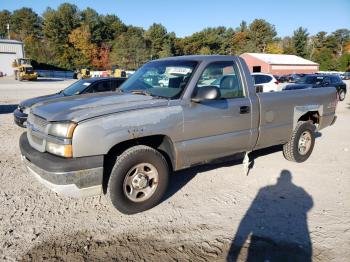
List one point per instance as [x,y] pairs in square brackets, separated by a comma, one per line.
[301,144]
[341,95]
[138,180]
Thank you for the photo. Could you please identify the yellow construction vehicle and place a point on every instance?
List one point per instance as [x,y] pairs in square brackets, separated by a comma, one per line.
[117,72]
[23,69]
[82,73]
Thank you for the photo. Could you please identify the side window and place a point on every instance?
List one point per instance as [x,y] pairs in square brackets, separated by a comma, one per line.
[326,80]
[224,75]
[114,84]
[267,79]
[101,86]
[333,80]
[258,79]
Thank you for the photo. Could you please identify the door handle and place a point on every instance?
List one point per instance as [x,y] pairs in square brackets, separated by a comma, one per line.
[244,110]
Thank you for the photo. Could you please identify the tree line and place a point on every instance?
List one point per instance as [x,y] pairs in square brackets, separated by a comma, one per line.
[71,38]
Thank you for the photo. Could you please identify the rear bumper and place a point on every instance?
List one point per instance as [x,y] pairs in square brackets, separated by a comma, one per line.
[20,118]
[76,177]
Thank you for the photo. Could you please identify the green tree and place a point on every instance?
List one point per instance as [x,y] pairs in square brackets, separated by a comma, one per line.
[102,28]
[25,22]
[130,50]
[261,34]
[5,17]
[344,62]
[288,46]
[38,49]
[157,36]
[212,40]
[58,24]
[342,36]
[326,60]
[299,39]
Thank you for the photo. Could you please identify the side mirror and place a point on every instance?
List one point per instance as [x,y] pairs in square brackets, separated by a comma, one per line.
[259,88]
[206,93]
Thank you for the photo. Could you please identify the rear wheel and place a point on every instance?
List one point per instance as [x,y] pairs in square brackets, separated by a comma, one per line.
[138,180]
[341,95]
[301,144]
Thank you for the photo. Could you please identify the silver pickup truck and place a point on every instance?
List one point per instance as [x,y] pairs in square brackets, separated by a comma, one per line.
[171,114]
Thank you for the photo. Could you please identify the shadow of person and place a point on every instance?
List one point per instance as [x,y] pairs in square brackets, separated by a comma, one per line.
[275,226]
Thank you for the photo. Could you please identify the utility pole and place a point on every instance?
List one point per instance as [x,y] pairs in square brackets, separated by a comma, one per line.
[8,30]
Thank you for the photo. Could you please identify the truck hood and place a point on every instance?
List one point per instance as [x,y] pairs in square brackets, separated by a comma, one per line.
[82,107]
[32,101]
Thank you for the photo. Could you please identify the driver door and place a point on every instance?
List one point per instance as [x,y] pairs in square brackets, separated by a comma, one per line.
[220,127]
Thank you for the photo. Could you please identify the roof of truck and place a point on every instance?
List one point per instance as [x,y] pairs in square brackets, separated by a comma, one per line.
[199,57]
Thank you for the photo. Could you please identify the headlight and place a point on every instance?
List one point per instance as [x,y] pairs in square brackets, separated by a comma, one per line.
[60,150]
[64,130]
[26,110]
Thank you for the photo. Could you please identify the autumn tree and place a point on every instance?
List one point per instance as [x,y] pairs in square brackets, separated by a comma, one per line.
[80,38]
[274,48]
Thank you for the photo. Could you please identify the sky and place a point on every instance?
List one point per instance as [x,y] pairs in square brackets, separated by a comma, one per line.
[185,17]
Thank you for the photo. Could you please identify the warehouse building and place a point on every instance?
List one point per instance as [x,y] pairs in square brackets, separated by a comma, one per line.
[278,64]
[9,51]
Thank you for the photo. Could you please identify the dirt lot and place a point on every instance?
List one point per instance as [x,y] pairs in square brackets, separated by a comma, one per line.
[282,211]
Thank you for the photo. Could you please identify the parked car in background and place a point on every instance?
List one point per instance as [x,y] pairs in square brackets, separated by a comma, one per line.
[83,86]
[295,77]
[267,81]
[283,78]
[346,76]
[317,81]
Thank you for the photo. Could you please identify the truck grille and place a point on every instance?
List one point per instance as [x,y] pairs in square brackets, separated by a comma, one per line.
[37,121]
[36,126]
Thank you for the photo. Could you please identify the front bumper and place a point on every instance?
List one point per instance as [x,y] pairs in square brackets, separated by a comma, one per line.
[76,177]
[30,77]
[20,118]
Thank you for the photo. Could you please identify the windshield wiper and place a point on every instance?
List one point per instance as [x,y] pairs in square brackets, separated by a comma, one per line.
[140,92]
[145,93]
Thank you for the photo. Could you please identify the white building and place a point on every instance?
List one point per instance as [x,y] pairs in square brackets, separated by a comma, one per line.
[9,51]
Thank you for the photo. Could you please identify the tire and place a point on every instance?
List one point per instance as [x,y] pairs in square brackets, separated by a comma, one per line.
[341,95]
[292,151]
[123,189]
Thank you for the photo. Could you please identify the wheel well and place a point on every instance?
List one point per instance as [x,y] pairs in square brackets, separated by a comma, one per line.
[314,116]
[160,142]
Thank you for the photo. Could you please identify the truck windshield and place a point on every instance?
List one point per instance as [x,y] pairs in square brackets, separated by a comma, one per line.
[166,78]
[76,88]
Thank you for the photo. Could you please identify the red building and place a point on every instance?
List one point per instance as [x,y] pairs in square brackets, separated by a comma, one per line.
[278,64]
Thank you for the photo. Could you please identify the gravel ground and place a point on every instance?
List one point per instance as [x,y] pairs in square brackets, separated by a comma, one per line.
[281,211]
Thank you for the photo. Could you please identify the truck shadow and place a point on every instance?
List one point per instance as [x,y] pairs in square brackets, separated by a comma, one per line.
[180,178]
[7,109]
[274,228]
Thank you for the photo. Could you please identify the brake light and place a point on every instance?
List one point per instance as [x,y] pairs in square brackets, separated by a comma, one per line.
[276,82]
